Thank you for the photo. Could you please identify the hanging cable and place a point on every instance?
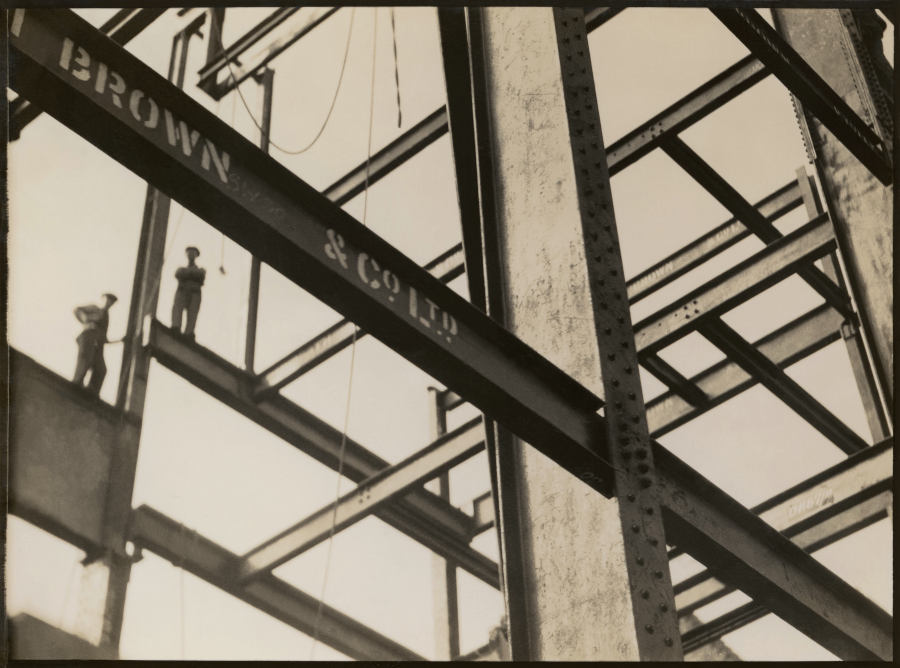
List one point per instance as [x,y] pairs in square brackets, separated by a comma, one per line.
[334,98]
[343,447]
[396,69]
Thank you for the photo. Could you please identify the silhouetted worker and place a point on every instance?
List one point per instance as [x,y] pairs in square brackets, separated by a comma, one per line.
[187,296]
[91,341]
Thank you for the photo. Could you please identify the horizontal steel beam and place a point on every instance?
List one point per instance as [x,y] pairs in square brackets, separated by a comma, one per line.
[697,104]
[125,25]
[196,554]
[674,380]
[418,468]
[445,267]
[208,72]
[294,29]
[420,136]
[781,385]
[803,81]
[858,515]
[421,515]
[802,336]
[713,183]
[450,264]
[772,264]
[818,511]
[223,178]
[190,154]
[717,240]
[745,552]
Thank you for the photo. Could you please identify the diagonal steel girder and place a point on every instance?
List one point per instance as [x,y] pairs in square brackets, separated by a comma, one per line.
[804,82]
[151,530]
[223,178]
[419,514]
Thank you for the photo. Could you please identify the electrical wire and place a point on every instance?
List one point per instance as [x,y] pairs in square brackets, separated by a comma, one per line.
[334,98]
[396,70]
[343,447]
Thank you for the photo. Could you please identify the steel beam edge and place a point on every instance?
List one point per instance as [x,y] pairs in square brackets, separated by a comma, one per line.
[423,465]
[165,537]
[814,513]
[420,515]
[745,552]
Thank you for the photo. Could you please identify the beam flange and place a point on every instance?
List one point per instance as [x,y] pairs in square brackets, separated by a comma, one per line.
[161,535]
[802,336]
[420,515]
[745,552]
[803,81]
[775,262]
[814,513]
[781,385]
[425,464]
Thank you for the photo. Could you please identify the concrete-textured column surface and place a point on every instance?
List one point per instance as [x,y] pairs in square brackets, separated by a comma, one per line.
[578,597]
[843,46]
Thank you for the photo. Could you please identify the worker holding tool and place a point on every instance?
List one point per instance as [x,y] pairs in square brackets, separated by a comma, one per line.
[187,296]
[91,341]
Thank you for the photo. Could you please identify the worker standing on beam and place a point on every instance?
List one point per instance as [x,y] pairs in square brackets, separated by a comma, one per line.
[91,341]
[187,296]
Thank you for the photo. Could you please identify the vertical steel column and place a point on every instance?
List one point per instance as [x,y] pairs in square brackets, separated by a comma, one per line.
[267,80]
[859,362]
[592,574]
[652,598]
[106,575]
[446,604]
[833,44]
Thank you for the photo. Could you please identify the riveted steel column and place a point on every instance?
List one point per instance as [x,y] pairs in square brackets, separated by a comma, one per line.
[842,46]
[595,571]
[267,80]
[639,508]
[106,574]
[446,604]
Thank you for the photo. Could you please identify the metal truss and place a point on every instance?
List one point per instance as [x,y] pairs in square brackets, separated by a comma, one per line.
[762,551]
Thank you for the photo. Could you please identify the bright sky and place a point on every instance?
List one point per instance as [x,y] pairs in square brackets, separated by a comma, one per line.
[75,220]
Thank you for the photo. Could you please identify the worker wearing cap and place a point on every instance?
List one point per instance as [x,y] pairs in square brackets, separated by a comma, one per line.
[187,296]
[91,341]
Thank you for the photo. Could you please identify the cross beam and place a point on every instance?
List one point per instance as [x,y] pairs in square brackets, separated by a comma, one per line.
[66,66]
[197,554]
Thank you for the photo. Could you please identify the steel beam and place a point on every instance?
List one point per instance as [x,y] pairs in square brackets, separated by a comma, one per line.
[803,81]
[196,554]
[717,240]
[818,511]
[781,385]
[421,135]
[124,26]
[745,552]
[707,177]
[425,464]
[445,267]
[673,379]
[230,183]
[722,88]
[420,515]
[597,16]
[775,262]
[802,336]
[295,29]
[263,206]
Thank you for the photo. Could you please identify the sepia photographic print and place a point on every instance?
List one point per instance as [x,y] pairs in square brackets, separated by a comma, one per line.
[478,333]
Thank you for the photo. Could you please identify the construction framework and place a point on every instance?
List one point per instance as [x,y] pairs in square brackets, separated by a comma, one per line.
[601,434]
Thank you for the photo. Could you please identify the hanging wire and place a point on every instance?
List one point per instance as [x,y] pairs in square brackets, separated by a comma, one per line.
[396,69]
[343,447]
[334,98]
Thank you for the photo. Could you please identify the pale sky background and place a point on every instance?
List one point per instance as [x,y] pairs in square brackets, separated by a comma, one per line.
[74,224]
